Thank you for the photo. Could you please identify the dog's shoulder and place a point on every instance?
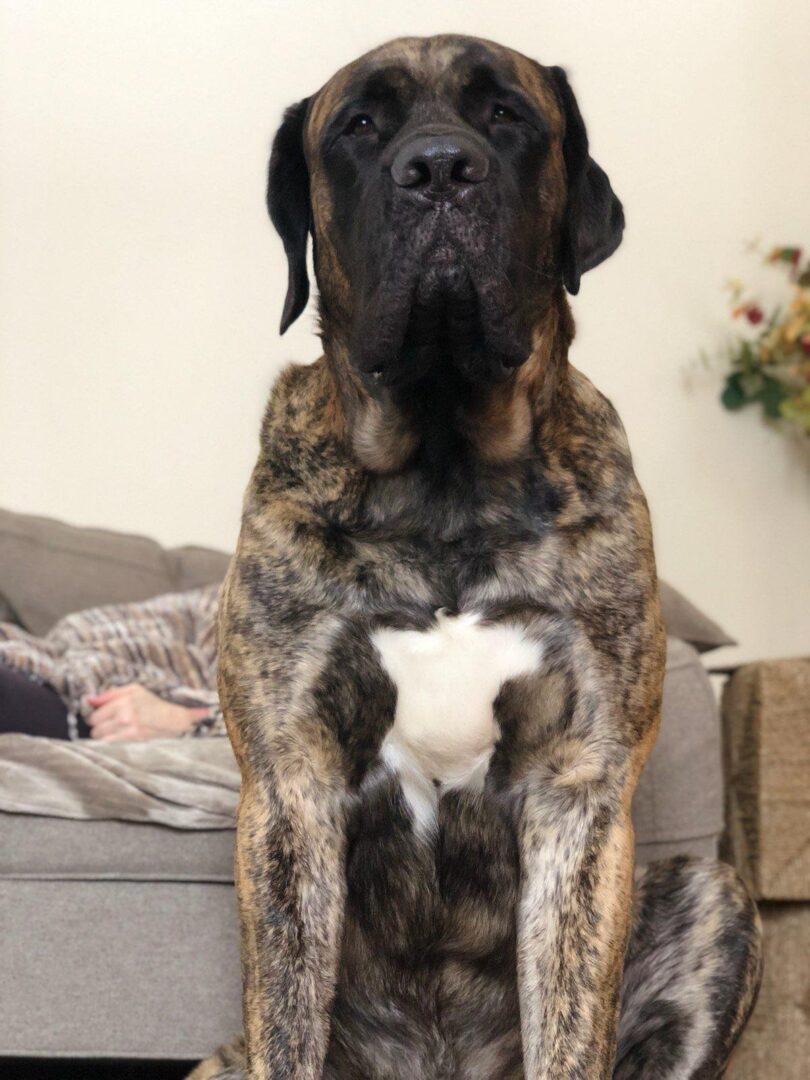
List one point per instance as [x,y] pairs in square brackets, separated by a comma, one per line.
[588,457]
[593,416]
[298,406]
[301,455]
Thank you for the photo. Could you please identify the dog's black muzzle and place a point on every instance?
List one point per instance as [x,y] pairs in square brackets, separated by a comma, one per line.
[445,301]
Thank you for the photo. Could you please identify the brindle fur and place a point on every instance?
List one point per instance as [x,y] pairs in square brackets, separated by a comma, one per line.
[498,949]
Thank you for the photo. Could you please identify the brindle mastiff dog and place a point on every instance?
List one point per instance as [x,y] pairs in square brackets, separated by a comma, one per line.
[442,651]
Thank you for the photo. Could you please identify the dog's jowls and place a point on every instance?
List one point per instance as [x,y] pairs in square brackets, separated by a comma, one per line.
[441,648]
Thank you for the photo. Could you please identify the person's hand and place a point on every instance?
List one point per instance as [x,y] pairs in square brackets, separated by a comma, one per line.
[132,713]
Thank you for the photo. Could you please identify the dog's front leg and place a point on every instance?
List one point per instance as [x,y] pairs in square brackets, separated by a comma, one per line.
[290,884]
[577,858]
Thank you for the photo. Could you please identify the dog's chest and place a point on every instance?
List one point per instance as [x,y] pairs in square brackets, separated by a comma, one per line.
[447,679]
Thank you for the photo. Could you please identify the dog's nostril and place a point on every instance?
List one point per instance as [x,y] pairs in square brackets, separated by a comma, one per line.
[467,171]
[418,173]
[475,169]
[411,173]
[458,170]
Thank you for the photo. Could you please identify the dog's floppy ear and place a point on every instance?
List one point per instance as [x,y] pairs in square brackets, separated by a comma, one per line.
[289,206]
[594,219]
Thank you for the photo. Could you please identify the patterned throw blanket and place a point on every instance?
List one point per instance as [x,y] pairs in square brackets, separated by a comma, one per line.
[167,644]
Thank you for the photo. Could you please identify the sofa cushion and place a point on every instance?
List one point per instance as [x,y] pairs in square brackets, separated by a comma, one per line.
[196,566]
[7,612]
[49,569]
[679,798]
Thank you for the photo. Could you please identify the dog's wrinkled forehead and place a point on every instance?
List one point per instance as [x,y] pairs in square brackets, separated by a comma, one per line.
[431,73]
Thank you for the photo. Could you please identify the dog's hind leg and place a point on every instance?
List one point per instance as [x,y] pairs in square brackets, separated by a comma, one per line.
[692,973]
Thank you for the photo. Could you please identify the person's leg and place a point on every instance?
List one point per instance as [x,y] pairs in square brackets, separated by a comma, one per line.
[30,708]
[692,974]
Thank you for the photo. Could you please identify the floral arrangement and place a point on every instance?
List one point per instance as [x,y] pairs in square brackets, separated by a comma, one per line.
[770,364]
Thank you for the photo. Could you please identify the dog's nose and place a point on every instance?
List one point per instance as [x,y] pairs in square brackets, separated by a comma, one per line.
[439,165]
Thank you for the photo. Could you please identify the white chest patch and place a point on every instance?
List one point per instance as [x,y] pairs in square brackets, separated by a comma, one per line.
[447,679]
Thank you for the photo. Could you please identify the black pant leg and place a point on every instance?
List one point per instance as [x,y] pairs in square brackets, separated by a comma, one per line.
[29,707]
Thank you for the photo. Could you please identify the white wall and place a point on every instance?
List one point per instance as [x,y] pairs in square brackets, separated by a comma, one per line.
[141,285]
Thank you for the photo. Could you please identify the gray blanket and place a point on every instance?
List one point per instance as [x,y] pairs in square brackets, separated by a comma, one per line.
[186,783]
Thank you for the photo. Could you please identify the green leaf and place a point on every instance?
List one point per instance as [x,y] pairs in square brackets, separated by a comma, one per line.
[772,395]
[733,396]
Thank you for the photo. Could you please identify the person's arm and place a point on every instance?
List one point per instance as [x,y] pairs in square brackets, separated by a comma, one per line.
[208,720]
[132,713]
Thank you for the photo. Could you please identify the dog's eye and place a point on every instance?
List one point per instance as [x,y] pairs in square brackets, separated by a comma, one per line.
[502,114]
[362,124]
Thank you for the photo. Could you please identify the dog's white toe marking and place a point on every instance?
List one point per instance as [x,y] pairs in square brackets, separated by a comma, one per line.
[447,679]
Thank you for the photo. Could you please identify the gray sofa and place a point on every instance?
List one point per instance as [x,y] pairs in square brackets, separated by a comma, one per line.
[119,939]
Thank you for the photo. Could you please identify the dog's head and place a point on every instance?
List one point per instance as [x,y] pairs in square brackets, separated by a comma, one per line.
[449,192]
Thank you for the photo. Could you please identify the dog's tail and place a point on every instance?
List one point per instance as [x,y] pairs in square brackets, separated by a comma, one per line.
[228,1063]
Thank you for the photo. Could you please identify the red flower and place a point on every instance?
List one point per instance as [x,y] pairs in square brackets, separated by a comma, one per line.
[804,341]
[754,314]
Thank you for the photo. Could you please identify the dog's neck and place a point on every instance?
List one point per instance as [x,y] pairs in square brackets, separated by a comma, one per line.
[445,417]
